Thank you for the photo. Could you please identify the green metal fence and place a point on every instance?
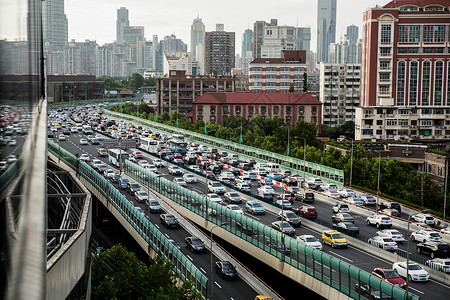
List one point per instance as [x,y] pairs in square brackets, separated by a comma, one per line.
[105,101]
[327,174]
[342,276]
[185,269]
[10,174]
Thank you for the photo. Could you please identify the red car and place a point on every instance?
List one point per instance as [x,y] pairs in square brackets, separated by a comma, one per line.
[390,276]
[286,196]
[137,154]
[307,211]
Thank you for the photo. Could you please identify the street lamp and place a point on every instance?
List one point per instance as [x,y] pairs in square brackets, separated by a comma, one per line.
[378,184]
[212,266]
[351,163]
[407,248]
[304,159]
[445,182]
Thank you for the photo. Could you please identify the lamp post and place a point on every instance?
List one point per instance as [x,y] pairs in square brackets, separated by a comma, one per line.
[212,266]
[407,248]
[378,184]
[351,163]
[445,182]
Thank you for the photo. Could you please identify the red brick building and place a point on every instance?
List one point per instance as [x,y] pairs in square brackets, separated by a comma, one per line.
[214,107]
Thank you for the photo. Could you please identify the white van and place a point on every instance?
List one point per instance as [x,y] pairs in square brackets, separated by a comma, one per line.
[260,165]
[273,167]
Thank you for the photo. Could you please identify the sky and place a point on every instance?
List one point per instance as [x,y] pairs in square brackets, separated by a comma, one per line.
[96,20]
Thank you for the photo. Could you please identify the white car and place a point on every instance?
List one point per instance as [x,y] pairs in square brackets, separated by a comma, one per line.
[84,142]
[423,219]
[95,163]
[394,234]
[109,173]
[141,196]
[440,264]
[158,162]
[179,181]
[285,203]
[261,171]
[345,193]
[12,158]
[266,189]
[331,193]
[310,241]
[355,201]
[3,165]
[84,157]
[216,187]
[143,163]
[384,243]
[425,236]
[243,186]
[152,168]
[235,208]
[189,178]
[415,271]
[228,175]
[174,170]
[445,230]
[379,221]
[195,168]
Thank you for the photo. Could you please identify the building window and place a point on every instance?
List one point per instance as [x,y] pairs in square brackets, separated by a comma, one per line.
[439,171]
[403,112]
[384,89]
[225,109]
[402,132]
[288,121]
[212,119]
[257,69]
[276,110]
[256,76]
[385,51]
[413,73]
[408,33]
[385,64]
[403,122]
[285,69]
[212,109]
[438,83]
[448,84]
[271,76]
[200,109]
[250,109]
[367,131]
[314,120]
[426,70]
[263,110]
[401,83]
[385,33]
[301,109]
[385,77]
[237,109]
[288,110]
[379,122]
[271,69]
[314,110]
[391,122]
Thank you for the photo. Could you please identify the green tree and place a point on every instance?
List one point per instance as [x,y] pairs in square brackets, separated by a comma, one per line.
[136,81]
[305,82]
[150,81]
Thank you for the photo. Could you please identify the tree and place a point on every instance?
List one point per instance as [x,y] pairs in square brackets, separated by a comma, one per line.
[136,81]
[118,274]
[305,82]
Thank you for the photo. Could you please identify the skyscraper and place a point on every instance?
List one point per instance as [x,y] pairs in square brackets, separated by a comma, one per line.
[276,38]
[326,27]
[219,51]
[197,35]
[258,36]
[247,37]
[352,33]
[55,24]
[302,41]
[121,22]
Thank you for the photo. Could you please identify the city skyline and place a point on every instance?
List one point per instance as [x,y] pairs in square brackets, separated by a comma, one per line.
[236,16]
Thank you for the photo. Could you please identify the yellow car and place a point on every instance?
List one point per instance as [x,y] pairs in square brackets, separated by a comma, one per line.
[334,238]
[62,137]
[263,297]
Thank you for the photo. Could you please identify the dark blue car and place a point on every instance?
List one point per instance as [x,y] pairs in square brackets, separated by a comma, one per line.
[123,183]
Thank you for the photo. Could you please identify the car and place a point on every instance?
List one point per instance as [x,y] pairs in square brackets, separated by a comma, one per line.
[194,168]
[83,142]
[434,249]
[391,212]
[290,217]
[290,181]
[243,186]
[384,243]
[355,200]
[141,196]
[235,208]
[341,208]
[329,187]
[284,203]
[228,175]
[214,197]
[263,297]
[244,179]
[394,234]
[368,199]
[179,181]
[226,270]
[415,271]
[133,187]
[283,227]
[342,217]
[423,219]
[277,246]
[158,163]
[95,163]
[223,179]
[379,221]
[175,170]
[189,178]
[389,275]
[3,165]
[440,264]
[445,230]
[334,238]
[61,137]
[232,197]
[274,176]
[216,187]
[292,190]
[84,157]
[255,207]
[143,163]
[152,168]
[108,173]
[123,183]
[425,236]
[74,130]
[102,152]
[153,206]
[331,193]
[169,221]
[49,135]
[266,189]
[390,205]
[305,197]
[210,175]
[310,241]
[285,196]
[307,211]
[261,171]
[347,227]
[345,193]
[195,244]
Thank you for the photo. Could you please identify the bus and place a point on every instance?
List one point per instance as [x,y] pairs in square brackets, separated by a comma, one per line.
[150,145]
[178,146]
[114,154]
[178,137]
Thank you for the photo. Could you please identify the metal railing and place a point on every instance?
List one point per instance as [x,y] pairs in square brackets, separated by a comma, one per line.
[327,174]
[185,269]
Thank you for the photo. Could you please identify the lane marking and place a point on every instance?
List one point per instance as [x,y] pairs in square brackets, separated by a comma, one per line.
[343,257]
[167,235]
[251,216]
[416,290]
[201,269]
[156,226]
[217,284]
[189,257]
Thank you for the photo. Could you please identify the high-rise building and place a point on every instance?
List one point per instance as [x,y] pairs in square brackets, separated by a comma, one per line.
[133,34]
[219,51]
[353,33]
[258,36]
[121,22]
[197,36]
[344,52]
[247,43]
[276,38]
[326,27]
[302,41]
[405,72]
[171,43]
[54,24]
